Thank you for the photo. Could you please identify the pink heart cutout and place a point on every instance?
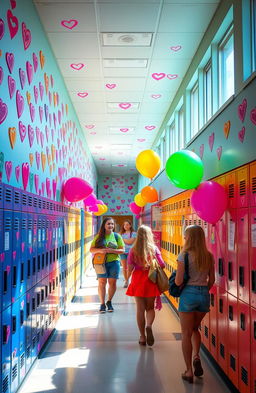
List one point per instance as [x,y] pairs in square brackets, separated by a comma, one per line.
[219,152]
[242,110]
[77,66]
[17,172]
[241,135]
[26,36]
[110,85]
[8,169]
[150,128]
[158,76]
[211,141]
[175,48]
[253,116]
[13,23]
[69,24]
[172,76]
[124,129]
[125,105]
[82,95]
[25,174]
[201,151]
[156,96]
[90,126]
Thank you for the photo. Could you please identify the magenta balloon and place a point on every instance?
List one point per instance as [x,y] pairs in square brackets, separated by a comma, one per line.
[137,216]
[209,200]
[93,209]
[100,202]
[90,200]
[135,208]
[76,189]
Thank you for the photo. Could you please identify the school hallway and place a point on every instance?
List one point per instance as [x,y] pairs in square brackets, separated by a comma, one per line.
[91,352]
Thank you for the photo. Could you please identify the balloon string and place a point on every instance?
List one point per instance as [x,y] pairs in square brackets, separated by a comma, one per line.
[218,238]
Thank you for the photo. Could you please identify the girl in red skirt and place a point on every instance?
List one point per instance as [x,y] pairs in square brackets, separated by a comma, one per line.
[144,291]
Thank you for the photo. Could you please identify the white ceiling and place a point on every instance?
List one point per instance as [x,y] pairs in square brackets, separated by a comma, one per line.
[115,135]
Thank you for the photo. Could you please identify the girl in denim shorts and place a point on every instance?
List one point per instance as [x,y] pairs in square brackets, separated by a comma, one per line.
[195,298]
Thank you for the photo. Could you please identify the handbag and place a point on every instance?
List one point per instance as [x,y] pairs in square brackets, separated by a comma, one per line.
[98,263]
[175,290]
[158,276]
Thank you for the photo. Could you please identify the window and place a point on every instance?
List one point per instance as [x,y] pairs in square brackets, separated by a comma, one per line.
[173,139]
[226,67]
[181,128]
[208,91]
[253,33]
[194,110]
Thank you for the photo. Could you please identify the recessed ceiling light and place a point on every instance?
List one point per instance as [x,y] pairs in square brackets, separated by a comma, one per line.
[127,39]
[125,63]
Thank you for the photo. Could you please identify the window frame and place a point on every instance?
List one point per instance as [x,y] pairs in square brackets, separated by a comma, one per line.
[222,86]
[194,130]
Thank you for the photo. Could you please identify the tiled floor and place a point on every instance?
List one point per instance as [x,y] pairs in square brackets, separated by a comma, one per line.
[99,353]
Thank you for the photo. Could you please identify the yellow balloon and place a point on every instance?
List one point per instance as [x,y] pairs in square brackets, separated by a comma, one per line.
[100,210]
[139,200]
[148,163]
[105,208]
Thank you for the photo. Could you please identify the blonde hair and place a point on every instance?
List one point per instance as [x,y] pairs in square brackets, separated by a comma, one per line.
[144,246]
[195,242]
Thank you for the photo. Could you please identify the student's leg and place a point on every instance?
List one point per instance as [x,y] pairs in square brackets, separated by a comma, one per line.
[196,336]
[141,308]
[111,287]
[187,326]
[125,269]
[150,310]
[102,289]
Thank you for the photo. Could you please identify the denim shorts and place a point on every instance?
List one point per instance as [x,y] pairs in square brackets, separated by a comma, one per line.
[112,270]
[194,298]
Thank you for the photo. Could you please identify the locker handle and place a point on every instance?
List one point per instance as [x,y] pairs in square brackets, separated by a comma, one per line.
[33,304]
[230,271]
[28,309]
[5,281]
[21,317]
[254,281]
[38,263]
[242,321]
[38,299]
[34,265]
[221,306]
[14,276]
[14,324]
[221,267]
[47,259]
[22,272]
[5,334]
[241,276]
[230,313]
[29,269]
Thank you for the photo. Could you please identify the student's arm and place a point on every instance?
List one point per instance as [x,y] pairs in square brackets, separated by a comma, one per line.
[180,273]
[130,263]
[95,250]
[211,279]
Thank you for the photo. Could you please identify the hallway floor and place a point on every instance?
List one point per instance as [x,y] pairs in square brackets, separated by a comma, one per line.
[99,353]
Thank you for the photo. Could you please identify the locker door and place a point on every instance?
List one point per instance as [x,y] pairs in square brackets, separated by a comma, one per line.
[231,185]
[15,346]
[252,195]
[205,331]
[252,255]
[36,269]
[243,187]
[22,329]
[28,329]
[253,347]
[221,256]
[7,260]
[213,324]
[222,317]
[244,347]
[33,326]
[29,250]
[232,272]
[242,255]
[16,255]
[24,261]
[6,350]
[232,340]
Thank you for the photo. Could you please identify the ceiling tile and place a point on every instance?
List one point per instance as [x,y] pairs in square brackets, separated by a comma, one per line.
[74,45]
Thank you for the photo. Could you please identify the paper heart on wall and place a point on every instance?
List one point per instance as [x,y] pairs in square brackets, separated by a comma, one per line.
[69,24]
[19,104]
[22,131]
[36,182]
[13,24]
[36,94]
[1,28]
[12,136]
[35,61]
[172,76]
[9,61]
[42,59]
[11,86]
[1,75]
[110,85]
[253,116]
[48,187]
[3,111]
[219,152]
[211,141]
[156,96]
[37,159]
[158,75]
[226,128]
[43,160]
[242,110]
[8,169]
[31,135]
[175,48]
[28,97]
[31,158]
[22,76]
[25,175]
[241,135]
[17,172]
[26,36]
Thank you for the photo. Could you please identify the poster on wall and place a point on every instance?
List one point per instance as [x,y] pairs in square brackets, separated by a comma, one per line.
[156,224]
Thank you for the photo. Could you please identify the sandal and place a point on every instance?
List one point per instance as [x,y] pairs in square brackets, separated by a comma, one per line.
[150,337]
[142,342]
[187,378]
[198,369]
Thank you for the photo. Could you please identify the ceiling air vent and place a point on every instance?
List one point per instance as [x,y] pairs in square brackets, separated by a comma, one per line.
[126,39]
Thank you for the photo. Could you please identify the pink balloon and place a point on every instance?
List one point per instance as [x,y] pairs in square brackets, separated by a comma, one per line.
[135,208]
[77,189]
[137,216]
[209,200]
[93,209]
[90,200]
[100,202]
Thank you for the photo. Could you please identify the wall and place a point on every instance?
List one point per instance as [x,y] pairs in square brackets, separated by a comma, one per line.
[42,143]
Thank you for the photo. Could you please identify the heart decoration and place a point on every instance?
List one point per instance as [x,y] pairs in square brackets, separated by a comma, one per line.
[22,131]
[211,141]
[31,158]
[38,135]
[41,113]
[31,182]
[156,96]
[43,160]
[110,85]
[175,48]
[12,136]
[124,105]
[37,159]
[22,78]
[219,152]
[17,172]
[150,128]
[226,128]
[172,76]
[36,93]
[158,76]
[13,24]
[201,151]
[54,187]
[46,83]
[77,67]
[124,129]
[242,110]
[8,169]
[41,90]
[1,28]
[36,182]
[35,62]
[13,3]
[19,103]
[26,36]
[48,187]
[31,135]
[32,111]
[42,59]
[69,24]
[253,116]
[29,69]
[141,140]
[82,95]
[9,61]
[11,86]
[28,97]
[241,135]
[1,75]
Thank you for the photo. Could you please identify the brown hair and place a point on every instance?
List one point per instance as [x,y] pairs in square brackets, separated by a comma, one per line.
[144,246]
[195,242]
[102,232]
[122,230]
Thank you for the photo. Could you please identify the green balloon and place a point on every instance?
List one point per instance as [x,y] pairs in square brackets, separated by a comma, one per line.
[184,169]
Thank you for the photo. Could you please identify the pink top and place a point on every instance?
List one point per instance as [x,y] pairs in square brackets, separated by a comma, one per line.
[131,260]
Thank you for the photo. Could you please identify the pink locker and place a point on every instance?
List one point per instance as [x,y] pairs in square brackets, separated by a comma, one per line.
[221,256]
[222,316]
[244,373]
[243,187]
[252,255]
[231,252]
[213,324]
[232,339]
[253,348]
[252,194]
[243,255]
[205,331]
[231,187]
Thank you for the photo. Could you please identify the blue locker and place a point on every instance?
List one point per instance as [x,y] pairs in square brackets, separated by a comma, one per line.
[33,325]
[22,329]
[15,346]
[23,254]
[7,260]
[8,197]
[39,248]
[6,350]
[35,261]
[17,200]
[45,255]
[28,329]
[17,263]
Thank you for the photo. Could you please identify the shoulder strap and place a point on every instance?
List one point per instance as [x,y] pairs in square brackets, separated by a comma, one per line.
[116,236]
[186,264]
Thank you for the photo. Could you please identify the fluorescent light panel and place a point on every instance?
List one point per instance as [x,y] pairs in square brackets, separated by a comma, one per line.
[125,63]
[126,39]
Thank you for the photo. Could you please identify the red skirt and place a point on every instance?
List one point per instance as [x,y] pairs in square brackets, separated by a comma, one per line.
[141,285]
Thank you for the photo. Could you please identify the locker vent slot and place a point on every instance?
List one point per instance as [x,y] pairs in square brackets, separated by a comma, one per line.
[254,185]
[213,340]
[22,360]
[30,200]
[242,187]
[232,361]
[16,224]
[244,376]
[5,384]
[206,331]
[8,224]
[28,352]
[188,202]
[35,202]
[16,197]
[231,191]
[8,195]
[40,204]
[222,351]
[44,204]
[24,223]
[14,372]
[24,199]
[30,223]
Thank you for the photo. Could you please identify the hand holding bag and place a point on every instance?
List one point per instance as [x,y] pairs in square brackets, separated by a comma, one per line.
[175,290]
[158,276]
[98,262]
